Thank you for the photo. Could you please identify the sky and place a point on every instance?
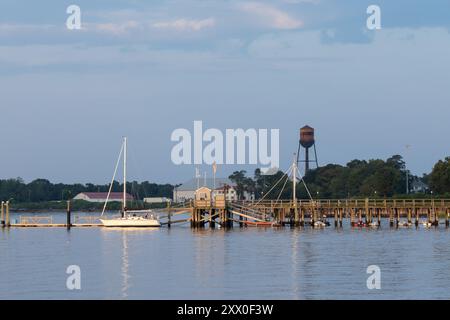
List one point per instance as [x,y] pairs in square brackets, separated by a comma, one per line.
[143,69]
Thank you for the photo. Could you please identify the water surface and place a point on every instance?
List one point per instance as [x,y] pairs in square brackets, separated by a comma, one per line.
[247,263]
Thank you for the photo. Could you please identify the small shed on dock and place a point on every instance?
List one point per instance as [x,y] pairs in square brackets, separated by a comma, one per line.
[203,197]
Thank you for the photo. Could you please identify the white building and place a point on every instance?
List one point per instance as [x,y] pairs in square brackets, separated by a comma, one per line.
[157,200]
[101,196]
[186,191]
[418,186]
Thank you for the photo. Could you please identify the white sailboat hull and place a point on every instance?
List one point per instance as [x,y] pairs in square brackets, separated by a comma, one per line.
[131,222]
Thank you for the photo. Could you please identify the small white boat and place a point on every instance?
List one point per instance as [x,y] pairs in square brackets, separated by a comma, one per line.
[404,224]
[427,224]
[130,218]
[319,224]
[131,222]
[374,225]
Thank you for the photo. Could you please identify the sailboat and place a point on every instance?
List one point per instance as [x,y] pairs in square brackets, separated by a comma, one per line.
[130,218]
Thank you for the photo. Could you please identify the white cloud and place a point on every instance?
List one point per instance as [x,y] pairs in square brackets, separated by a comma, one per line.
[116,28]
[273,17]
[185,24]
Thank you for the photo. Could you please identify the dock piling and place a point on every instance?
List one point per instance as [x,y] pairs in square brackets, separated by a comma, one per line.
[2,219]
[447,216]
[7,222]
[68,217]
[169,215]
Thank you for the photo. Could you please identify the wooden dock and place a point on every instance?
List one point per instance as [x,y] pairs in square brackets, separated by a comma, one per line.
[360,212]
[276,213]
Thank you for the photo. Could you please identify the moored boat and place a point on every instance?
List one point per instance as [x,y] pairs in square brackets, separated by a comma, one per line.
[130,218]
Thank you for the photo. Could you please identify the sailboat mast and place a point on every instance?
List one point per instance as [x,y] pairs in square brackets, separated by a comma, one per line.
[294,182]
[124,175]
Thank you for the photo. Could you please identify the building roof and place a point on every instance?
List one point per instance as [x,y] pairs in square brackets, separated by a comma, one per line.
[417,183]
[191,185]
[103,195]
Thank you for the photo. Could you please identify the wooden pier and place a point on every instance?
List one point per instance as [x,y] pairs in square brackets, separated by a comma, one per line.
[359,212]
[205,211]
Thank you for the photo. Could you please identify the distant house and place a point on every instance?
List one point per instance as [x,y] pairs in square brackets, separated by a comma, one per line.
[157,200]
[101,196]
[187,190]
[418,186]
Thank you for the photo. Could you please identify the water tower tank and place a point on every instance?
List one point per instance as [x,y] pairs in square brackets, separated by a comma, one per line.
[307,137]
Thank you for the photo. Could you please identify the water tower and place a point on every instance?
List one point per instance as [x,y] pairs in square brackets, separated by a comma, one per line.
[307,141]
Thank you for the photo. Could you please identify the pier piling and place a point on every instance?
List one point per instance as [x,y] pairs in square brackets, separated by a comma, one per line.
[2,218]
[7,222]
[68,217]
[169,215]
[447,217]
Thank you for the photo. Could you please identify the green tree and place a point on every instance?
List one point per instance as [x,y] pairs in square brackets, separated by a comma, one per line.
[439,178]
[239,178]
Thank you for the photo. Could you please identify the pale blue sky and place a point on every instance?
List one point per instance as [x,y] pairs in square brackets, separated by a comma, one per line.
[145,68]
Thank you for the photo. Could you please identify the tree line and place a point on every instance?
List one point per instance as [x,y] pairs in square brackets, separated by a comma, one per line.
[358,178]
[42,190]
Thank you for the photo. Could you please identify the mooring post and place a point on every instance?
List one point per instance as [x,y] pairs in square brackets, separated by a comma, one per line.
[302,216]
[397,217]
[212,222]
[391,217]
[416,212]
[447,216]
[2,219]
[366,205]
[169,215]
[193,218]
[8,223]
[230,218]
[69,222]
[436,215]
[336,218]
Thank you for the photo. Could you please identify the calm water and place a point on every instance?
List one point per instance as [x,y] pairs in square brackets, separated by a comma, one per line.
[248,263]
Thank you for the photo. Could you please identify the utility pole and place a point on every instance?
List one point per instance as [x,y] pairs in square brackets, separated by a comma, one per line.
[406,169]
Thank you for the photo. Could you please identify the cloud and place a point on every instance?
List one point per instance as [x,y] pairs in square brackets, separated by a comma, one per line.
[271,16]
[116,28]
[185,24]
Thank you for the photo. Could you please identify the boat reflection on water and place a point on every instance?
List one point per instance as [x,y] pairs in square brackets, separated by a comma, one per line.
[125,234]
